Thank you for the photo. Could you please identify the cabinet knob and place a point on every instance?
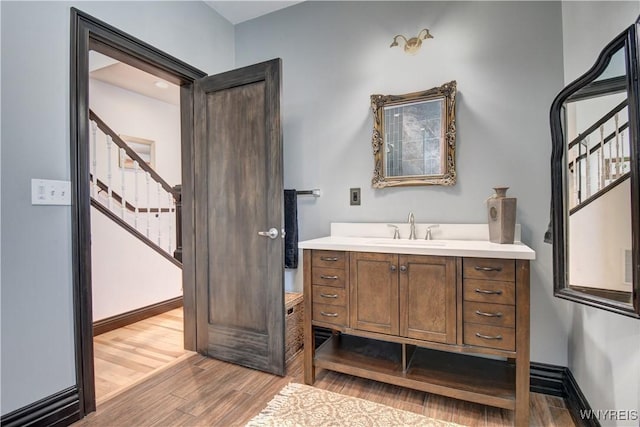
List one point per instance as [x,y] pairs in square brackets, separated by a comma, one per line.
[403,268]
[393,267]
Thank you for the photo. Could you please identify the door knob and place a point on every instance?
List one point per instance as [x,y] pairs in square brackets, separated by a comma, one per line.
[272,233]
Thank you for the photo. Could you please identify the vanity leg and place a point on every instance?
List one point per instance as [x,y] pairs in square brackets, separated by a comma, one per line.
[309,368]
[309,338]
[522,343]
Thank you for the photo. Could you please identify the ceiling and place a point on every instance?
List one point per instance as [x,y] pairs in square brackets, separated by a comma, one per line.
[238,11]
[116,73]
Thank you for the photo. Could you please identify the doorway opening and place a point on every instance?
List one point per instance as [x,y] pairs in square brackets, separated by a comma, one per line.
[135,238]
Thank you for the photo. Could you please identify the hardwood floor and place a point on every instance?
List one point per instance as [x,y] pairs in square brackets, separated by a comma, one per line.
[127,355]
[202,391]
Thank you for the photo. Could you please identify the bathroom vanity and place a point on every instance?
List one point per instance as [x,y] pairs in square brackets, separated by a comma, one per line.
[423,314]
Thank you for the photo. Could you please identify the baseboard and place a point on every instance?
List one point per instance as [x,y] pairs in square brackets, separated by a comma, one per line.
[559,381]
[60,409]
[577,403]
[133,316]
[547,379]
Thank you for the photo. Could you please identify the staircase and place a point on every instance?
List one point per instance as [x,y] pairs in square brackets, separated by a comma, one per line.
[599,158]
[125,188]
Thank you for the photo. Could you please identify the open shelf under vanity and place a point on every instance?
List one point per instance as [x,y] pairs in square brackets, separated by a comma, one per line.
[485,381]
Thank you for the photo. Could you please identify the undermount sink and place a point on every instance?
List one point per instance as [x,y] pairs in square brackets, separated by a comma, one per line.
[407,242]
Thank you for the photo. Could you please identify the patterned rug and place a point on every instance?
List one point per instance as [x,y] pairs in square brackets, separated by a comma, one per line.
[302,405]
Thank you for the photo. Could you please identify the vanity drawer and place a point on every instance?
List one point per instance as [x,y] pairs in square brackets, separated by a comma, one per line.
[489,269]
[489,291]
[489,314]
[490,336]
[329,295]
[328,276]
[330,259]
[334,314]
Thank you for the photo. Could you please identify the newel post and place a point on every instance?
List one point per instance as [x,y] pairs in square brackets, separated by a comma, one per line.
[177,254]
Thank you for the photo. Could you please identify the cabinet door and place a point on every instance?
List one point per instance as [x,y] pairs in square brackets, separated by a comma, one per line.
[374,292]
[428,298]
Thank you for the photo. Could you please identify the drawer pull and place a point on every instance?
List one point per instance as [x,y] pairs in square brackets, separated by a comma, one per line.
[488,337]
[478,268]
[329,258]
[482,313]
[488,292]
[329,314]
[329,277]
[329,295]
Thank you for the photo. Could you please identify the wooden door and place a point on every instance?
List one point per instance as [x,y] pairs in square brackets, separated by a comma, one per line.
[239,194]
[428,298]
[374,292]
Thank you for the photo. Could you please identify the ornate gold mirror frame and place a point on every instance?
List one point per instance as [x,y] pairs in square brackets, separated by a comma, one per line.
[414,138]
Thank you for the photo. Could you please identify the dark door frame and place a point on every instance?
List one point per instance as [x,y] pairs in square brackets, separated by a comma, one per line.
[89,33]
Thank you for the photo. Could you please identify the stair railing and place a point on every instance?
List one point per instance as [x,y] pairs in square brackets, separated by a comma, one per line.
[154,208]
[599,158]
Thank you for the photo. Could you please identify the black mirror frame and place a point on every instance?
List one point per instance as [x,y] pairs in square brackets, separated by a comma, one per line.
[629,41]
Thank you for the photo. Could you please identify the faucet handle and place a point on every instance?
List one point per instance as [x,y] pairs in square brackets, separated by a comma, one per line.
[429,227]
[396,231]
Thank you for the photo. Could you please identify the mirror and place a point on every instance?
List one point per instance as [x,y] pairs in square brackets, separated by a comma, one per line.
[595,124]
[414,138]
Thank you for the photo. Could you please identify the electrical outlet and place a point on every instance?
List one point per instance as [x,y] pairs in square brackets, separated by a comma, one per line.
[354,197]
[50,192]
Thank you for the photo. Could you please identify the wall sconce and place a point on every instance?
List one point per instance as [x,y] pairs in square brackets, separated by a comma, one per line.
[412,45]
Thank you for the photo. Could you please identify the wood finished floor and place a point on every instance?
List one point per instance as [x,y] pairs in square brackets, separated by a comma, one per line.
[199,391]
[126,355]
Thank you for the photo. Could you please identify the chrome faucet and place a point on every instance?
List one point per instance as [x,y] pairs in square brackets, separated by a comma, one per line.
[428,236]
[396,231]
[412,227]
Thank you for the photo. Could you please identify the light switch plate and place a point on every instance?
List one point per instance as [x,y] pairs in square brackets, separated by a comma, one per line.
[50,192]
[354,196]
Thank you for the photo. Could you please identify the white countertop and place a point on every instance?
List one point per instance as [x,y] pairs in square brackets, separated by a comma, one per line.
[440,246]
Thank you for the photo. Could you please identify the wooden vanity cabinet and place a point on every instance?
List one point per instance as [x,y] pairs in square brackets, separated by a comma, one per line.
[421,321]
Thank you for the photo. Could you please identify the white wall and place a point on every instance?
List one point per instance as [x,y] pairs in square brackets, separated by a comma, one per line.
[598,236]
[127,274]
[37,309]
[603,348]
[507,60]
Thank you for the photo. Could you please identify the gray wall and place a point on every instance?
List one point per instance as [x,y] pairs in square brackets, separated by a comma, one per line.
[603,348]
[507,60]
[37,318]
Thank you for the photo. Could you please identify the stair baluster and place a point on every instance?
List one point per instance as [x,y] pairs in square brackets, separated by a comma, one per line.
[159,216]
[123,202]
[601,168]
[109,186]
[618,157]
[136,169]
[587,166]
[171,201]
[148,175]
